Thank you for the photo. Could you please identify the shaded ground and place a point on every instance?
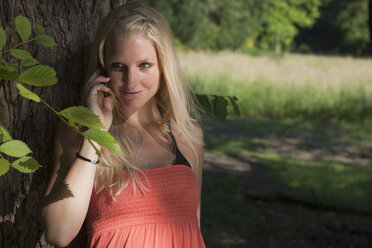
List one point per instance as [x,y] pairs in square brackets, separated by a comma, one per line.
[287,184]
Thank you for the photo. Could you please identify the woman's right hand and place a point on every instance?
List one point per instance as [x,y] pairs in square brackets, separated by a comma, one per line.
[96,84]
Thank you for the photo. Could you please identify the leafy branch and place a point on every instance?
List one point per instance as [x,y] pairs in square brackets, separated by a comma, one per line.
[36,74]
[216,106]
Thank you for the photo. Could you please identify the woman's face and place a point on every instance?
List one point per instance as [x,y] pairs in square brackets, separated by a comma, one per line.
[134,71]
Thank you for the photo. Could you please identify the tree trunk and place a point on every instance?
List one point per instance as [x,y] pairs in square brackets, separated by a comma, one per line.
[72,24]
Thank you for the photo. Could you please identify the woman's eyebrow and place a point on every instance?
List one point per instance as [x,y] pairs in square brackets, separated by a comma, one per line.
[118,60]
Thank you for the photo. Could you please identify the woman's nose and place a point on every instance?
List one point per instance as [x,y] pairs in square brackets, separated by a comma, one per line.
[130,78]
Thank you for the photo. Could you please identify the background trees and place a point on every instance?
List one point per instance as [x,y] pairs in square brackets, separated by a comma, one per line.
[326,26]
[343,27]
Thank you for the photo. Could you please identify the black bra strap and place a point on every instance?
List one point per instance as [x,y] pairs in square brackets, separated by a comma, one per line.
[180,159]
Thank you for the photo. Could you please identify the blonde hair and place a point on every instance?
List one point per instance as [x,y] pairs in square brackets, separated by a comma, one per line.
[174,98]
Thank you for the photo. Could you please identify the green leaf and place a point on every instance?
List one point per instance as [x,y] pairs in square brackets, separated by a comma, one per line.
[219,108]
[233,100]
[27,93]
[8,74]
[26,57]
[39,75]
[4,135]
[83,116]
[20,53]
[29,62]
[97,151]
[4,166]
[204,103]
[40,30]
[104,139]
[26,164]
[15,148]
[45,40]
[23,27]
[7,65]
[2,38]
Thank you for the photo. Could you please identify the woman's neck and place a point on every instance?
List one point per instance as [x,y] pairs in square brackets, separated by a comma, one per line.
[143,117]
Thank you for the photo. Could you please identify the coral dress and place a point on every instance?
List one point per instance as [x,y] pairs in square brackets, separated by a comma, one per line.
[166,216]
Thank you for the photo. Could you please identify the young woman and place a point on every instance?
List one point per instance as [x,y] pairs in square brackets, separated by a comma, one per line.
[150,196]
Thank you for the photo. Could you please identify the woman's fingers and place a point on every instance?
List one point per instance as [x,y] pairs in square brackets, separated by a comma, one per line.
[94,75]
[100,80]
[97,88]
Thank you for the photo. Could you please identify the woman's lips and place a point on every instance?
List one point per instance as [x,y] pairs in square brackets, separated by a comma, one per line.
[132,94]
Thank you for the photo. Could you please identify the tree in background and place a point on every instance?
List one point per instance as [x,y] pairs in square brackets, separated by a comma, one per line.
[331,26]
[353,23]
[212,25]
[281,20]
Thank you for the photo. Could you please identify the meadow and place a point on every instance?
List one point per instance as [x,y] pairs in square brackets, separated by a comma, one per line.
[295,170]
[337,89]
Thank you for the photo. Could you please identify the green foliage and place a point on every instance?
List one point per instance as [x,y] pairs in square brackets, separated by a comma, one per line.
[27,93]
[26,164]
[282,19]
[23,27]
[236,21]
[233,100]
[212,25]
[8,74]
[83,116]
[40,75]
[15,148]
[216,106]
[4,135]
[18,149]
[7,66]
[103,139]
[254,25]
[45,40]
[351,20]
[25,57]
[40,30]
[4,166]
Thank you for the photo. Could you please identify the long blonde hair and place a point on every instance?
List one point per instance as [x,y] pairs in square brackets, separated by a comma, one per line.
[173,98]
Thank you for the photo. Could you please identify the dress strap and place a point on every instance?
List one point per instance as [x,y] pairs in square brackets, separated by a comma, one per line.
[180,159]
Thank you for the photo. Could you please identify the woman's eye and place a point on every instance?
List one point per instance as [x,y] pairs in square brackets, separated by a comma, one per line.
[117,65]
[145,65]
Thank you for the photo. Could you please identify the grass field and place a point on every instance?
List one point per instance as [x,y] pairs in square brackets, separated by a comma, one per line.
[296,169]
[337,89]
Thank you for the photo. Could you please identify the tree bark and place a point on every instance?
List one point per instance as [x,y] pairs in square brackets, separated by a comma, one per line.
[72,24]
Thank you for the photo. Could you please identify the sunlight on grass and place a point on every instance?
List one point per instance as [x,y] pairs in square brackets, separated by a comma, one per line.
[295,86]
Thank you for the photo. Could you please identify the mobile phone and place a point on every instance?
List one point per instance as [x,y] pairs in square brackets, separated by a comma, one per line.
[107,84]
[102,70]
